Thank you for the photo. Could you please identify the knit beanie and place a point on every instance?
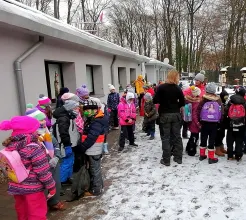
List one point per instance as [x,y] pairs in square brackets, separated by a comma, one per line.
[129,95]
[211,88]
[199,77]
[82,91]
[20,125]
[34,113]
[240,91]
[70,105]
[147,96]
[131,90]
[97,101]
[195,91]
[110,87]
[63,90]
[44,100]
[70,96]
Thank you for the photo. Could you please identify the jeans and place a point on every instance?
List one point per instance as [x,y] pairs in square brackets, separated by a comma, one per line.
[150,128]
[208,134]
[95,172]
[237,137]
[126,133]
[170,126]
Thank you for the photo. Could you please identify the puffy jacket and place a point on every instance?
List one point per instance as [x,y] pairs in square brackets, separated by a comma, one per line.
[236,100]
[139,85]
[34,157]
[113,101]
[126,111]
[67,132]
[94,135]
[150,109]
[151,91]
[193,126]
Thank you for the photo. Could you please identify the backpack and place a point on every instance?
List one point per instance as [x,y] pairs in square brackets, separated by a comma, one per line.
[12,166]
[211,112]
[187,113]
[236,114]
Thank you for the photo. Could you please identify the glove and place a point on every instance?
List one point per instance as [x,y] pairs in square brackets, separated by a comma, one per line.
[109,110]
[68,151]
[51,193]
[53,162]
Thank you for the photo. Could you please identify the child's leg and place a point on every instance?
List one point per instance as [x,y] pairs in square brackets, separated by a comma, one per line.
[130,134]
[123,136]
[229,142]
[96,175]
[204,139]
[21,207]
[36,206]
[211,142]
[239,136]
[116,120]
[152,129]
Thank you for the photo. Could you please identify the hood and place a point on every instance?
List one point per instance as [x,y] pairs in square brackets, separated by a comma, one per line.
[60,112]
[211,97]
[123,99]
[222,96]
[140,77]
[237,99]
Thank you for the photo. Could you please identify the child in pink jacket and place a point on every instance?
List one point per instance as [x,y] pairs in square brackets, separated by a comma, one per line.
[194,99]
[127,115]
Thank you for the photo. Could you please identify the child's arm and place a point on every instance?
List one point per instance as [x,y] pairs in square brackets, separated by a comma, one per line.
[121,112]
[41,167]
[152,112]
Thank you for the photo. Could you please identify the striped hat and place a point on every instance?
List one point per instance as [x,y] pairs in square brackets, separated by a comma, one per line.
[44,100]
[34,113]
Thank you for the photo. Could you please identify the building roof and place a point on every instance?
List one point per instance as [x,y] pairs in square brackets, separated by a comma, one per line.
[159,63]
[20,15]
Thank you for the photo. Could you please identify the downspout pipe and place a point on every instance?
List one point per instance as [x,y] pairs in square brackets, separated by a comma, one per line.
[112,69]
[19,77]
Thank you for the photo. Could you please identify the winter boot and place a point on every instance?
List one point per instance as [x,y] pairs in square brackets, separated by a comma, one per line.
[202,153]
[105,148]
[222,149]
[152,136]
[133,145]
[211,158]
[218,152]
[120,149]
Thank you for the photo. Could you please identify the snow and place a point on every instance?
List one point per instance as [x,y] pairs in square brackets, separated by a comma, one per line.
[141,188]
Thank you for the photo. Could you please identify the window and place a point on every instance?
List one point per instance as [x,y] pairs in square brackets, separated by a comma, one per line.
[89,78]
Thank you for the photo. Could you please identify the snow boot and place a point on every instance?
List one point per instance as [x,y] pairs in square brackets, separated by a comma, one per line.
[165,163]
[133,145]
[152,138]
[177,160]
[105,148]
[202,153]
[222,149]
[211,158]
[218,152]
[121,149]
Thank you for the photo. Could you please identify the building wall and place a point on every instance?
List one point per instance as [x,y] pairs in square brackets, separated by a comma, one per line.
[74,59]
[151,74]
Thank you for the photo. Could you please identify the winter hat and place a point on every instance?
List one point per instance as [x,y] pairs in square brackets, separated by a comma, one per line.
[240,91]
[110,87]
[90,104]
[35,113]
[202,72]
[97,101]
[43,100]
[147,96]
[82,91]
[223,96]
[129,95]
[195,91]
[131,90]
[20,125]
[63,90]
[211,88]
[70,96]
[199,77]
[70,105]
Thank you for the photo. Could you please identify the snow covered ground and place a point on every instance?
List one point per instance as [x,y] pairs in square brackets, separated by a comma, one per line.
[141,188]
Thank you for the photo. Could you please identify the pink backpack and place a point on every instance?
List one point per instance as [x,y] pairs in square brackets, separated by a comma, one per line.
[12,166]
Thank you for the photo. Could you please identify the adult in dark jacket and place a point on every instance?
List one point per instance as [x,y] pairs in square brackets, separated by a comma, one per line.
[171,99]
[96,126]
[67,135]
[235,131]
[220,150]
[59,101]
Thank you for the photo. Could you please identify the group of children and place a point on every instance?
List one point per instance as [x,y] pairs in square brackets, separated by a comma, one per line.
[211,115]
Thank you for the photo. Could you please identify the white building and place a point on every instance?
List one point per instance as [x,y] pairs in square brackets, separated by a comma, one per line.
[157,71]
[34,47]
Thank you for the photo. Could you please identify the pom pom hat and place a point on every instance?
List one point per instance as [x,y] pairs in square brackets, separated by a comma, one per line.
[44,100]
